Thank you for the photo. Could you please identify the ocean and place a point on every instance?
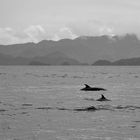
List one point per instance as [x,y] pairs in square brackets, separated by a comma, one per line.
[46,103]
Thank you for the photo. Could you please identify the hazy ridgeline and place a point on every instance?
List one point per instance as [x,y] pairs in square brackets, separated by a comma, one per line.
[116,50]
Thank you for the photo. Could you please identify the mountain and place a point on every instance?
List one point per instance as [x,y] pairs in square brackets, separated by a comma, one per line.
[82,49]
[102,63]
[121,62]
[128,62]
[9,60]
[55,58]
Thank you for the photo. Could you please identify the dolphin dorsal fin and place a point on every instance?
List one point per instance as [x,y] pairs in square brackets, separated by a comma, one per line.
[103,97]
[87,86]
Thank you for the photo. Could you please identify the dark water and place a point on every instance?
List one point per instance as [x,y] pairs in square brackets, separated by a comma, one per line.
[45,103]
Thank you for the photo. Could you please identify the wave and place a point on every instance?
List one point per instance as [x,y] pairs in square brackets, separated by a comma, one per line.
[95,108]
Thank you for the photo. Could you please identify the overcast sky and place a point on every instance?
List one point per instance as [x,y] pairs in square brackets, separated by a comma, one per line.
[34,20]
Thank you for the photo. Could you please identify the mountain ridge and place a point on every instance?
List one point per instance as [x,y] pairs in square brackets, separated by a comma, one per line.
[85,49]
[122,62]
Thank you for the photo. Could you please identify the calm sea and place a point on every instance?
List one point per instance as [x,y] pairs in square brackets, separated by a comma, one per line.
[42,102]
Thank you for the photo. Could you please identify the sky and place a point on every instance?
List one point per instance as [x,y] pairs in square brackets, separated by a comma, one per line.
[35,20]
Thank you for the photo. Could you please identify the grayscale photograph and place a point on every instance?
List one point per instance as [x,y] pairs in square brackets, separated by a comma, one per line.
[69,69]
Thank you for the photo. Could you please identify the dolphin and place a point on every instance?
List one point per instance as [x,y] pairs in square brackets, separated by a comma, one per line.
[88,88]
[103,98]
[91,108]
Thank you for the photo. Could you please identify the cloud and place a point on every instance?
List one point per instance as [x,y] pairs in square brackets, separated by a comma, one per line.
[106,31]
[64,32]
[92,27]
[35,33]
[11,36]
[7,36]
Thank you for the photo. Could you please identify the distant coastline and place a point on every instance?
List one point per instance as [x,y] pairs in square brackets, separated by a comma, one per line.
[121,62]
[95,50]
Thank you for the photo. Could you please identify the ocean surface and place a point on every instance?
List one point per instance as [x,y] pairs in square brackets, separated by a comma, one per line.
[46,103]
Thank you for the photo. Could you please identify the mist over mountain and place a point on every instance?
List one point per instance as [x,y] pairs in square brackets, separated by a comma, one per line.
[80,50]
